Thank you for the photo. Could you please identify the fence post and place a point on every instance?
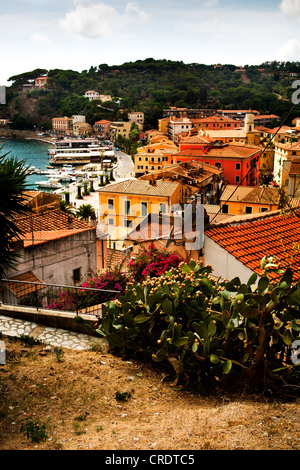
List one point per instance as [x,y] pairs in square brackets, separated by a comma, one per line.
[36,297]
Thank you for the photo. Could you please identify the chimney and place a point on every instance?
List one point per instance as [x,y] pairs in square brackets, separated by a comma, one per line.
[70,223]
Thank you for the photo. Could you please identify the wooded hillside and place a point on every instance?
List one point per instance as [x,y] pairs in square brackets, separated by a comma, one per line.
[151,86]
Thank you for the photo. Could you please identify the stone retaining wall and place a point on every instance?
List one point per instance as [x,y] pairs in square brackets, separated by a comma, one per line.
[52,318]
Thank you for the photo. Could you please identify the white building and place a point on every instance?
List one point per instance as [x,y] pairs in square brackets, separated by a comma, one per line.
[136,117]
[91,95]
[177,127]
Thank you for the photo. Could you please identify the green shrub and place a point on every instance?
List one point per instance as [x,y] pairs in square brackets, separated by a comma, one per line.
[211,332]
[34,430]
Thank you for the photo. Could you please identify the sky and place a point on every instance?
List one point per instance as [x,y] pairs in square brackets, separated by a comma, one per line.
[78,34]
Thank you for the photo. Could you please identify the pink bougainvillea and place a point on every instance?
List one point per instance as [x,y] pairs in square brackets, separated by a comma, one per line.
[80,298]
[153,262]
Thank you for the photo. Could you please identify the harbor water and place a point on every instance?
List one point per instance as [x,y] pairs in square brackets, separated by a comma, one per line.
[34,153]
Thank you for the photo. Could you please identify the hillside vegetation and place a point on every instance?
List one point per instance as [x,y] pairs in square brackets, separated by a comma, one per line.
[151,86]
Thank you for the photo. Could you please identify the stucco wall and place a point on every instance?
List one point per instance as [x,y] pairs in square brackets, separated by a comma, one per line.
[223,263]
[54,261]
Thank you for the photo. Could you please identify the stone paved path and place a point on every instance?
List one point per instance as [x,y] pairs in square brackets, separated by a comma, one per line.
[48,335]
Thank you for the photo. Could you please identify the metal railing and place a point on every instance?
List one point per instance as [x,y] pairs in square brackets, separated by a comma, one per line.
[54,297]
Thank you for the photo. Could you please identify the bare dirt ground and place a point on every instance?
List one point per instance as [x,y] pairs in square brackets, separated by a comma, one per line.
[95,401]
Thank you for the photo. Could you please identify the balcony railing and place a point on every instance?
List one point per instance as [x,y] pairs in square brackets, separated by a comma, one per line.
[54,297]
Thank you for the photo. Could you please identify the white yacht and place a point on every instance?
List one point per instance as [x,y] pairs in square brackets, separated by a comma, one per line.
[50,184]
[77,152]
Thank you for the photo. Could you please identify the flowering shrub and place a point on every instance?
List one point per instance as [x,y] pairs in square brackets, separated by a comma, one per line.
[78,299]
[153,262]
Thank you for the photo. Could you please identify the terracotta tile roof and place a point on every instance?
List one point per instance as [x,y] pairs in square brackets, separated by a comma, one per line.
[20,289]
[249,239]
[50,225]
[236,150]
[195,139]
[117,258]
[141,187]
[289,146]
[266,116]
[250,194]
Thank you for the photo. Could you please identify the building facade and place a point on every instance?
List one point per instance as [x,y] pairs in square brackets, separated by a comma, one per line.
[62,126]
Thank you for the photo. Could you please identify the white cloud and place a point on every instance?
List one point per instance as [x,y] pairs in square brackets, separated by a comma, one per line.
[90,21]
[290,51]
[291,8]
[95,20]
[133,7]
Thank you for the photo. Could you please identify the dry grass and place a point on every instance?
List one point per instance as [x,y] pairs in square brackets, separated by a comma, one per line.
[74,396]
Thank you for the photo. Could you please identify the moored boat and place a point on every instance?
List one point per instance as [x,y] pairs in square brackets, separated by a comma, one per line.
[50,184]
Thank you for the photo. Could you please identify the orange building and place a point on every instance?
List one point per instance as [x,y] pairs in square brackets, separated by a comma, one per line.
[40,82]
[102,128]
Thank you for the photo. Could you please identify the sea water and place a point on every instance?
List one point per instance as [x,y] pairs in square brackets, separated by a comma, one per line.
[34,153]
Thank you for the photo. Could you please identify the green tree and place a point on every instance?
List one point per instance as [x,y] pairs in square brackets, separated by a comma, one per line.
[134,133]
[86,212]
[13,173]
[66,207]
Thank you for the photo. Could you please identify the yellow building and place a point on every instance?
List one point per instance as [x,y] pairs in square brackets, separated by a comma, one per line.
[154,157]
[163,124]
[124,204]
[121,128]
[248,200]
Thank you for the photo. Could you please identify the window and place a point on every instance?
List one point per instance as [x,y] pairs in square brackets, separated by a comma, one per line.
[162,208]
[127,223]
[248,210]
[237,166]
[237,179]
[263,209]
[225,209]
[218,165]
[111,222]
[110,203]
[144,206]
[127,207]
[76,275]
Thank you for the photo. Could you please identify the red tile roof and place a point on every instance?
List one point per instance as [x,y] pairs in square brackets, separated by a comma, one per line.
[31,284]
[50,225]
[249,239]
